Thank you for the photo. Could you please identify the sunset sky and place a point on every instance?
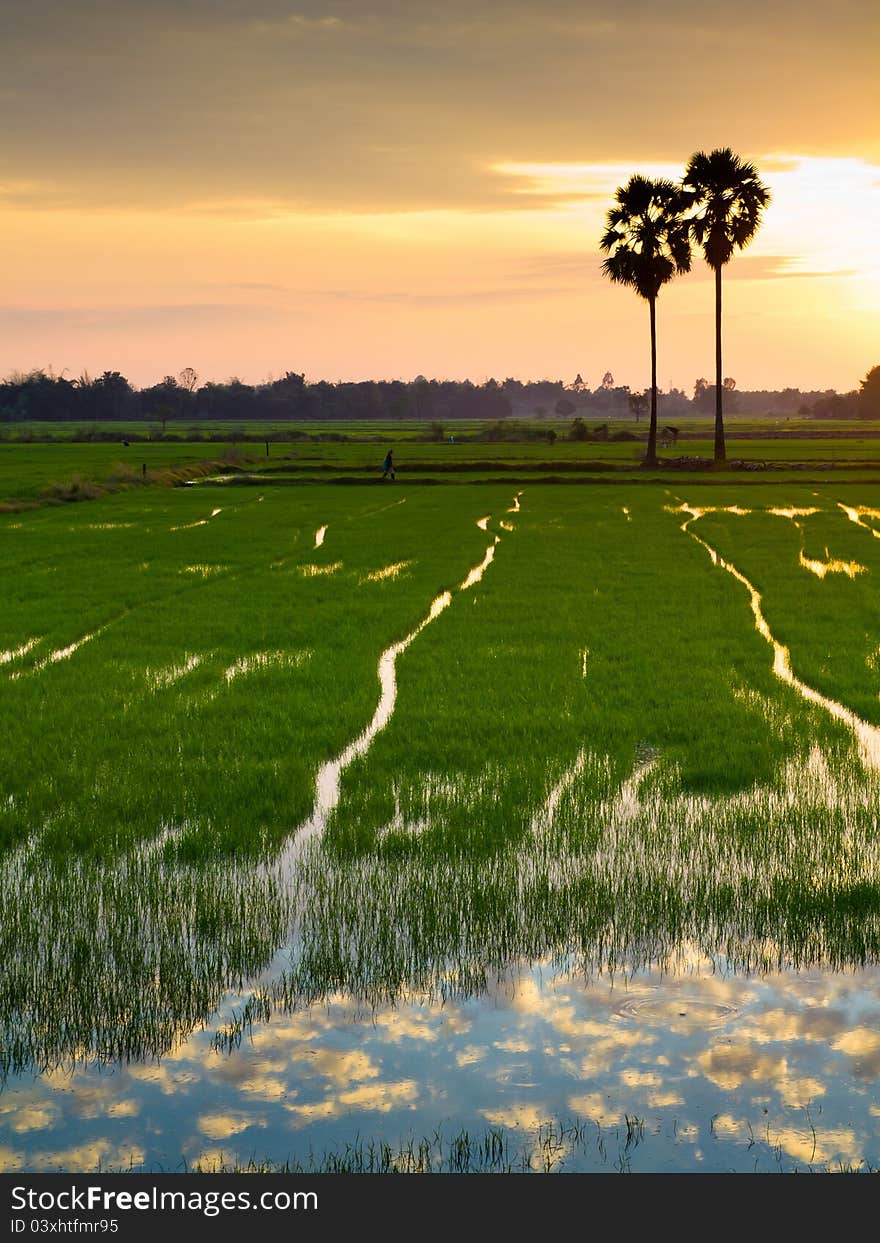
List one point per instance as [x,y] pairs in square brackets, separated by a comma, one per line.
[382,188]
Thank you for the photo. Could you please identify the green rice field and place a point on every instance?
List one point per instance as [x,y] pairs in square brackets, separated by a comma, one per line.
[540,818]
[44,463]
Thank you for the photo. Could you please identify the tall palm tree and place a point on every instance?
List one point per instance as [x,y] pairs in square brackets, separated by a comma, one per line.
[647,240]
[729,197]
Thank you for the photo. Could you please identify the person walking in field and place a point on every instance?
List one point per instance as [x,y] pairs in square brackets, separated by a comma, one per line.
[388,466]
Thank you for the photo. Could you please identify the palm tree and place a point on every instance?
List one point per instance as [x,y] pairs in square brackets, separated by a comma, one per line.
[647,240]
[729,197]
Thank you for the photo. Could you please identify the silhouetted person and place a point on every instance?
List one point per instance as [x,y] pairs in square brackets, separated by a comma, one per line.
[388,466]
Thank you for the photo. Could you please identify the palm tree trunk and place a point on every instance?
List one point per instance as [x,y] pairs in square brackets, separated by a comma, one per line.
[720,453]
[651,455]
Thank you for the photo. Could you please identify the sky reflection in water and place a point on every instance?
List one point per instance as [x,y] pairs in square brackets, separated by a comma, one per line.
[725,1071]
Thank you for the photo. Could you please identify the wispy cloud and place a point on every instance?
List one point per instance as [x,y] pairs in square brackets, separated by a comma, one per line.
[133,317]
[473,297]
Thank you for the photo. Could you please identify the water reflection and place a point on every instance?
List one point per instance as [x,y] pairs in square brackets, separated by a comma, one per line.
[327,791]
[868,735]
[22,650]
[386,572]
[856,513]
[475,575]
[120,960]
[831,566]
[699,963]
[702,1069]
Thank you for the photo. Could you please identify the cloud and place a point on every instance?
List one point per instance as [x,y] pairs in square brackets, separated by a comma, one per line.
[224,1125]
[595,1107]
[381,1097]
[34,1118]
[815,1023]
[775,267]
[91,1155]
[859,1042]
[133,318]
[378,1097]
[521,1116]
[728,1067]
[257,285]
[353,107]
[465,297]
[341,1067]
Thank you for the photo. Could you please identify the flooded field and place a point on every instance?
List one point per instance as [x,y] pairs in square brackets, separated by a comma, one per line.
[477,827]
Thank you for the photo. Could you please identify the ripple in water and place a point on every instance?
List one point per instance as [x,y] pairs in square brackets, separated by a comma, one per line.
[677,1013]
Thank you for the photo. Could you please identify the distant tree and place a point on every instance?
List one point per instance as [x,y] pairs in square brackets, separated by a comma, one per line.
[420,394]
[704,395]
[564,407]
[550,436]
[729,198]
[676,401]
[608,380]
[578,383]
[398,407]
[647,242]
[578,430]
[869,395]
[161,401]
[188,380]
[164,412]
[108,397]
[638,403]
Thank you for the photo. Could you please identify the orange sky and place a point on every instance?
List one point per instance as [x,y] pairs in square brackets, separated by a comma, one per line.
[362,190]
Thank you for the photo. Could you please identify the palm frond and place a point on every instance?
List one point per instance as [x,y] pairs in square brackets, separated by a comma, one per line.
[647,235]
[727,198]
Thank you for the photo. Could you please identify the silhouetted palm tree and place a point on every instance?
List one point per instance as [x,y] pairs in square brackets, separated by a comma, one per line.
[647,239]
[729,197]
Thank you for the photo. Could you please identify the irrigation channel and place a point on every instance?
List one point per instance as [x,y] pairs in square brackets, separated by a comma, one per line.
[637,973]
[868,735]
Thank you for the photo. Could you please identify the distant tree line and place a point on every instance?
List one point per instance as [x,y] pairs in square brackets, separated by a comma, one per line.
[43,396]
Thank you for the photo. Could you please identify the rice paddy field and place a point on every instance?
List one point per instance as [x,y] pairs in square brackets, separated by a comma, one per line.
[40,463]
[503,825]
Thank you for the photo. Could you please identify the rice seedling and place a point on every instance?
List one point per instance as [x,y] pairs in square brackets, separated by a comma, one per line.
[465,733]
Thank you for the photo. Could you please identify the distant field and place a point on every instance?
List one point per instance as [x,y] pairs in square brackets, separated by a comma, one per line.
[28,470]
[737,427]
[31,470]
